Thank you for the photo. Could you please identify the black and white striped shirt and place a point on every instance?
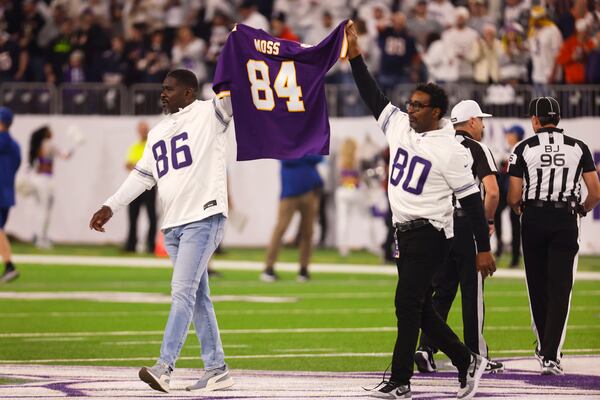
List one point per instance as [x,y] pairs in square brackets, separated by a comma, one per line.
[483,160]
[551,164]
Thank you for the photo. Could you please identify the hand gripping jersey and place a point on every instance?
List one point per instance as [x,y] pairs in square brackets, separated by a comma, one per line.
[277,91]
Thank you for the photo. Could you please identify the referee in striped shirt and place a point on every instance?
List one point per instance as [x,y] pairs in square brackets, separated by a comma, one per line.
[545,181]
[460,268]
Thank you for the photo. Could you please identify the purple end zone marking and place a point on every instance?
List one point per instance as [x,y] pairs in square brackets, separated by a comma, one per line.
[64,388]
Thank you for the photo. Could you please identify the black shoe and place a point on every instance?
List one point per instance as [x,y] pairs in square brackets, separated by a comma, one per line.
[303,276]
[494,367]
[424,360]
[392,390]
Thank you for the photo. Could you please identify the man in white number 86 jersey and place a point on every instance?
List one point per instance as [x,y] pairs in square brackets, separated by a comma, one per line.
[185,158]
[427,165]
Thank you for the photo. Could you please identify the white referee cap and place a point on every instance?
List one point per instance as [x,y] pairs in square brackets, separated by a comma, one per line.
[465,110]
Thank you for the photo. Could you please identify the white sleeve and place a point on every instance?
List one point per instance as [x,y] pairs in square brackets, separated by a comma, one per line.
[139,179]
[458,174]
[223,109]
[392,120]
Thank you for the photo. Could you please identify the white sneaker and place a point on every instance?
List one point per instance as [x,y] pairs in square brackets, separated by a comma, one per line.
[268,277]
[550,367]
[158,376]
[213,379]
[469,380]
[392,390]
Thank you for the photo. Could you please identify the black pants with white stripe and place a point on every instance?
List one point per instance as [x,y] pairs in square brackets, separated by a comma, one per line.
[460,269]
[422,252]
[550,246]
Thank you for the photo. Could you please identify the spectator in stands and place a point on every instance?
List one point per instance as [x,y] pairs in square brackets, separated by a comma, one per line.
[574,53]
[595,16]
[566,21]
[545,41]
[58,52]
[349,198]
[115,23]
[174,18]
[514,55]
[441,11]
[188,53]
[155,62]
[400,60]
[280,30]
[134,50]
[479,15]
[114,65]
[371,52]
[13,61]
[75,71]
[485,56]
[219,31]
[593,67]
[30,26]
[516,11]
[441,62]
[459,40]
[419,25]
[320,29]
[93,40]
[250,16]
[300,184]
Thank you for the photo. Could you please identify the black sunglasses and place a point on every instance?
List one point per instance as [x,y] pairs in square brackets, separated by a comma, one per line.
[415,105]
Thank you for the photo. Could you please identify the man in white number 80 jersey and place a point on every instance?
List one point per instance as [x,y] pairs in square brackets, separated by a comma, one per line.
[427,165]
[185,158]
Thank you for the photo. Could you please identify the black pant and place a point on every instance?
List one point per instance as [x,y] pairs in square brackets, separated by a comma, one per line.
[148,200]
[550,246]
[460,268]
[515,225]
[422,252]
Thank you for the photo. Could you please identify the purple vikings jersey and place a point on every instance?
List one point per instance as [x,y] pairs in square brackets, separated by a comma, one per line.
[277,91]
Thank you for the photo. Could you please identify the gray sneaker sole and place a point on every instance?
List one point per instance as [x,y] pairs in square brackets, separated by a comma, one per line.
[212,386]
[148,377]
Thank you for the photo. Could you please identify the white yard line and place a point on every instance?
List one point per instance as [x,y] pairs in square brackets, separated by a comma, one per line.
[260,331]
[141,262]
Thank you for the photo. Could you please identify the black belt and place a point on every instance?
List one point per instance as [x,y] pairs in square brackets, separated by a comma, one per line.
[546,204]
[459,212]
[410,225]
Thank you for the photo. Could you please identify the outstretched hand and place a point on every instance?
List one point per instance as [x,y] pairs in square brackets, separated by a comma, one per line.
[101,217]
[352,37]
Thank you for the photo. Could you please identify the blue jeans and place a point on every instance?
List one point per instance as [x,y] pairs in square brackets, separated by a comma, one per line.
[190,247]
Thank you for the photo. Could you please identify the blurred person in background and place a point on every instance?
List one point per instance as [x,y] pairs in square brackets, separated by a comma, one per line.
[459,40]
[29,27]
[135,44]
[42,153]
[441,11]
[574,53]
[58,52]
[300,186]
[155,62]
[147,199]
[513,135]
[567,20]
[75,72]
[485,56]
[10,159]
[441,62]
[372,52]
[114,66]
[544,40]
[250,16]
[419,25]
[92,40]
[188,53]
[400,60]
[13,60]
[516,11]
[279,29]
[514,55]
[479,15]
[593,67]
[219,31]
[349,199]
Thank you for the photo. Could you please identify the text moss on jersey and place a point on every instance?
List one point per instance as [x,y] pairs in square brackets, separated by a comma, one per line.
[277,90]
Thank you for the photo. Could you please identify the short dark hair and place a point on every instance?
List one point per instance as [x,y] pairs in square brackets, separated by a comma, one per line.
[549,120]
[185,77]
[437,95]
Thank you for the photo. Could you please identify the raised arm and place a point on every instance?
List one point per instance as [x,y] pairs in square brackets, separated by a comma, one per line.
[367,87]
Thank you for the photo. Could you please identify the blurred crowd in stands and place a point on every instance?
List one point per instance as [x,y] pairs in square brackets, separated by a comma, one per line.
[137,41]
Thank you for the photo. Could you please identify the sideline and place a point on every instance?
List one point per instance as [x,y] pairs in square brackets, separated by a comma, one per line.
[141,262]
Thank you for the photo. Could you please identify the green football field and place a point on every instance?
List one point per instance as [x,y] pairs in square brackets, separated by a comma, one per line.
[336,322]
